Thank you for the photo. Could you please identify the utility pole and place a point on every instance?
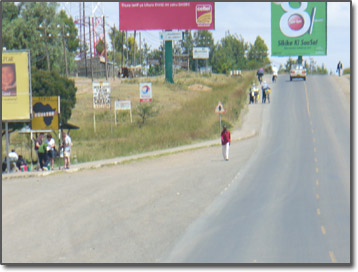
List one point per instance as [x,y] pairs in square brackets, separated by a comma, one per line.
[140,49]
[84,36]
[127,47]
[134,58]
[80,31]
[44,27]
[113,45]
[64,48]
[105,45]
[89,27]
[122,56]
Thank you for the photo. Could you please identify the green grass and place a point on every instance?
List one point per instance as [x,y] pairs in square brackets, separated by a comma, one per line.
[185,115]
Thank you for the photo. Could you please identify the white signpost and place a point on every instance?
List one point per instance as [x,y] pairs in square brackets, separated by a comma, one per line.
[145,92]
[122,105]
[201,52]
[171,35]
[101,95]
[101,98]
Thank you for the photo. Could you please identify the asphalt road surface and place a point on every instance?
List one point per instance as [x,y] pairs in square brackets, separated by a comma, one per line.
[284,197]
[292,202]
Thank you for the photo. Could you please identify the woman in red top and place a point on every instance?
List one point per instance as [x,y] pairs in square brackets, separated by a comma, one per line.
[225,141]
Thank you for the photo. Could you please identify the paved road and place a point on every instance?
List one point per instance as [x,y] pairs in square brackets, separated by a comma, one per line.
[283,200]
[291,203]
[132,212]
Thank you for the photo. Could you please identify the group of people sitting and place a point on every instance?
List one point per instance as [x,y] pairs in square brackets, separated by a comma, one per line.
[17,162]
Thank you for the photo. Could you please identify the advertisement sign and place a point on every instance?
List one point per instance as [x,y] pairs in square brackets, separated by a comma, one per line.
[122,105]
[171,35]
[299,28]
[101,95]
[46,111]
[201,52]
[16,86]
[166,15]
[145,92]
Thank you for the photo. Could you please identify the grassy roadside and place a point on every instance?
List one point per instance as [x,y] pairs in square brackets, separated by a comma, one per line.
[186,115]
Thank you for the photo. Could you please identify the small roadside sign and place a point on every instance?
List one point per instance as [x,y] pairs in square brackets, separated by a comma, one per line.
[122,105]
[201,52]
[220,108]
[171,35]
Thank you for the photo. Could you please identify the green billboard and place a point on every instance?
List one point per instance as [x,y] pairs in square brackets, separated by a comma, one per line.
[298,28]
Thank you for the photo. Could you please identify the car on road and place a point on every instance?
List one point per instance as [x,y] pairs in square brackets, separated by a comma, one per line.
[298,71]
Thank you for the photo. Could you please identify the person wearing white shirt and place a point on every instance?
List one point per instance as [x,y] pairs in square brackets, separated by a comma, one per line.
[50,149]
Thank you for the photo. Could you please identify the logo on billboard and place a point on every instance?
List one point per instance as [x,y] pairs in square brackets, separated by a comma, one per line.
[298,28]
[203,15]
[296,22]
[145,92]
[45,110]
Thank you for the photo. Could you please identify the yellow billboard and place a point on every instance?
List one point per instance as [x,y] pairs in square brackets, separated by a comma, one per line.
[45,112]
[16,86]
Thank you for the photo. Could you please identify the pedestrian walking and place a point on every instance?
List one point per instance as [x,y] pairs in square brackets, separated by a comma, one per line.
[339,68]
[225,142]
[50,149]
[67,144]
[252,93]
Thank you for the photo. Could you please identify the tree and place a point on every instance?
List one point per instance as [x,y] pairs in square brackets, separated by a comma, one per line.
[229,54]
[45,83]
[35,27]
[258,54]
[288,64]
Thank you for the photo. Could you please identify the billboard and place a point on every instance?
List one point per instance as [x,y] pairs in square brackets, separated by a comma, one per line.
[46,111]
[299,28]
[166,15]
[16,86]
[101,95]
[145,92]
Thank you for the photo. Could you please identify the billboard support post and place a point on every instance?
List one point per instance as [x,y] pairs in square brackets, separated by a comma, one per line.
[169,61]
[299,60]
[7,146]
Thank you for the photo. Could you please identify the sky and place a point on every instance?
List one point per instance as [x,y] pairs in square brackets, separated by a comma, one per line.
[248,19]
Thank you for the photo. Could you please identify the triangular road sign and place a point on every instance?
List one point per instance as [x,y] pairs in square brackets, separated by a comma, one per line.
[220,108]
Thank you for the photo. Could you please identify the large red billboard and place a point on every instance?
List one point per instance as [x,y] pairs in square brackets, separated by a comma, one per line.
[166,15]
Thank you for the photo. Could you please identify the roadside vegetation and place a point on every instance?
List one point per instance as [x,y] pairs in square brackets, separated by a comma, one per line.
[184,113]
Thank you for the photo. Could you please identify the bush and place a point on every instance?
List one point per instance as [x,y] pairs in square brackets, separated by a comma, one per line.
[347,71]
[145,111]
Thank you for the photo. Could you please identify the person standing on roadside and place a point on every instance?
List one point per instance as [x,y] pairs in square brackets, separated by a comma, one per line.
[67,144]
[339,68]
[41,146]
[225,142]
[50,149]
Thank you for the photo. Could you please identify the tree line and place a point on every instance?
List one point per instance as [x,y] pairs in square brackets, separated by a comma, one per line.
[230,53]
